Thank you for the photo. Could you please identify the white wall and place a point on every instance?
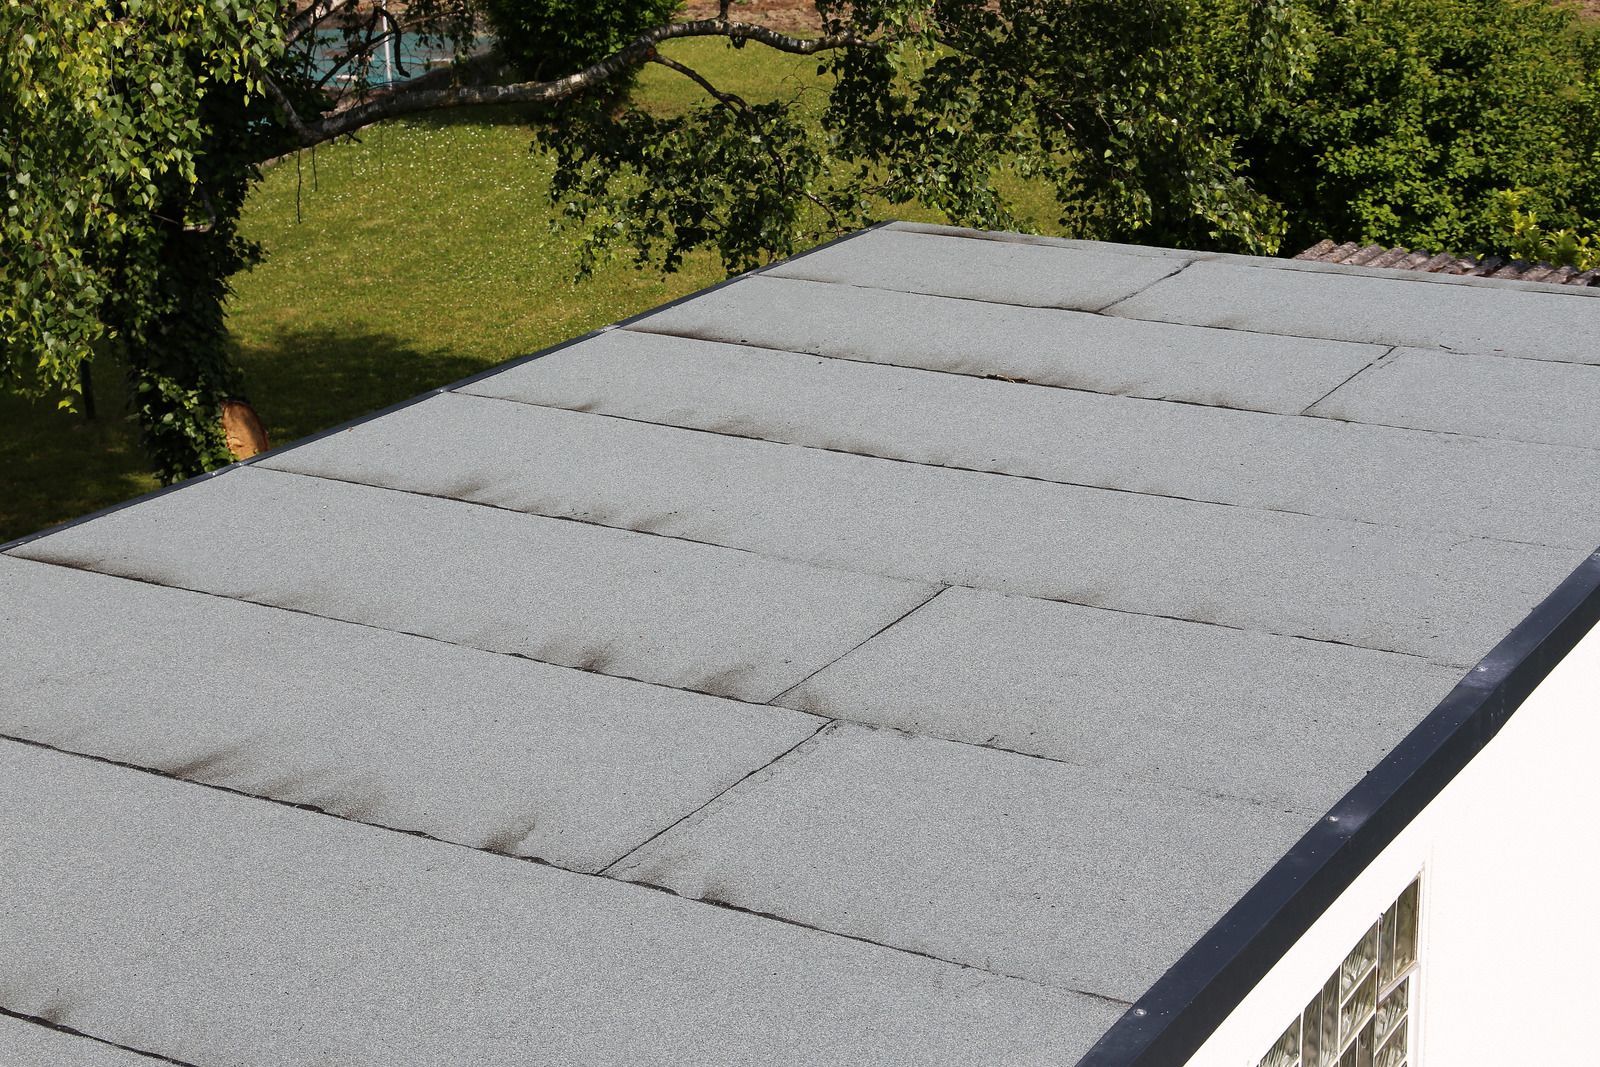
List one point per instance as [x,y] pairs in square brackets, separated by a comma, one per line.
[1510,939]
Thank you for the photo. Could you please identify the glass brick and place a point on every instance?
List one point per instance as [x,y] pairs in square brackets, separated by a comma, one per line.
[1285,1052]
[1311,1033]
[1405,928]
[1362,958]
[1358,1009]
[1330,1022]
[1386,967]
[1392,1008]
[1360,1016]
[1392,1053]
[1363,1046]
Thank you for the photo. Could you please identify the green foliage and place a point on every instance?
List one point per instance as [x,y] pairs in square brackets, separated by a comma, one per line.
[125,153]
[179,370]
[547,39]
[1418,115]
[1241,125]
[1524,237]
[1121,107]
[130,132]
[738,178]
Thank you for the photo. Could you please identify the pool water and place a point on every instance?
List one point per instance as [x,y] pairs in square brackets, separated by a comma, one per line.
[411,58]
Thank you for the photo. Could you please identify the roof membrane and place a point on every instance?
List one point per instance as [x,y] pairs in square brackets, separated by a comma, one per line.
[905,654]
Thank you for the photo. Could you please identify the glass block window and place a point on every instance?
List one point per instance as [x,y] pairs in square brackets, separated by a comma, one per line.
[1361,1017]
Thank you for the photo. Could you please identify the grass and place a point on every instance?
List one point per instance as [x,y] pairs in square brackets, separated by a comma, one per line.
[59,465]
[416,256]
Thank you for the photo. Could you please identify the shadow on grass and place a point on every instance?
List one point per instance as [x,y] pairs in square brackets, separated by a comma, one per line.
[301,380]
[57,465]
[481,115]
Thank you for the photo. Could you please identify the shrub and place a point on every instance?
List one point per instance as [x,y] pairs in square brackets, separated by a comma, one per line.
[1525,237]
[547,39]
[1415,118]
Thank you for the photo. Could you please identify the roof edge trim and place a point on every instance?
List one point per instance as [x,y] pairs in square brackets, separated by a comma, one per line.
[514,361]
[1172,1020]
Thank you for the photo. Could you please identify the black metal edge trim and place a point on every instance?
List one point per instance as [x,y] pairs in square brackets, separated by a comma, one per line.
[470,379]
[1169,1023]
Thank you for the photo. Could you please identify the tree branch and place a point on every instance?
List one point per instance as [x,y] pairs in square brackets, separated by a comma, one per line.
[731,99]
[351,116]
[739,104]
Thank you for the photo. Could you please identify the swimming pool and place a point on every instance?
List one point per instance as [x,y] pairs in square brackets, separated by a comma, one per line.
[397,60]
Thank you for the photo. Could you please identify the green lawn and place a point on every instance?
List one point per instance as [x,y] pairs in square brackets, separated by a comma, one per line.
[55,465]
[396,264]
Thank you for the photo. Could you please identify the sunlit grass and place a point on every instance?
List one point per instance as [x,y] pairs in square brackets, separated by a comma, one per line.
[426,252]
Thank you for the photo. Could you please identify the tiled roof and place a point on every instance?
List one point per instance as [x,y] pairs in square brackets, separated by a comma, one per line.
[900,655]
[1358,255]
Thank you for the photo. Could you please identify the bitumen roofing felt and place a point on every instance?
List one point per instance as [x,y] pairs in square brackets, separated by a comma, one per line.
[902,655]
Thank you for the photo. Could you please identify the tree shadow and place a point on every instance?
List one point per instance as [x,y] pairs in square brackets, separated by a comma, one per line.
[56,465]
[304,379]
[528,115]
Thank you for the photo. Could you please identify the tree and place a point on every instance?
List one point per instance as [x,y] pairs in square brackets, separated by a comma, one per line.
[133,128]
[129,134]
[1117,103]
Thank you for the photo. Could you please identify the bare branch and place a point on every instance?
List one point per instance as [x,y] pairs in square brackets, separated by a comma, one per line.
[302,134]
[731,99]
[410,99]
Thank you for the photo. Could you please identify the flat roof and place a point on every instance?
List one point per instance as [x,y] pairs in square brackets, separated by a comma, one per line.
[908,653]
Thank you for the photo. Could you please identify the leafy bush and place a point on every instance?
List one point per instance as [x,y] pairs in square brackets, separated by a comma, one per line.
[1413,118]
[1123,106]
[547,39]
[1528,238]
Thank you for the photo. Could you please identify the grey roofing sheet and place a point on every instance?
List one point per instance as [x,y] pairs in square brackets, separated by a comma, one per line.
[882,663]
[577,594]
[995,860]
[1007,273]
[1069,349]
[1555,323]
[220,929]
[24,1043]
[1477,396]
[1353,582]
[1326,467]
[490,751]
[1157,700]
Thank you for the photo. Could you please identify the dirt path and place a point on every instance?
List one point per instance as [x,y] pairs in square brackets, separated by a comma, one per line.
[787,15]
